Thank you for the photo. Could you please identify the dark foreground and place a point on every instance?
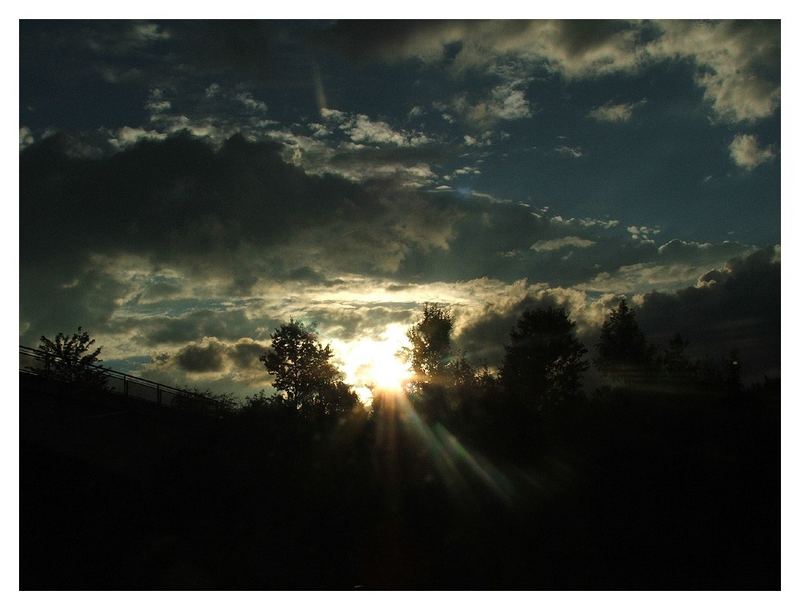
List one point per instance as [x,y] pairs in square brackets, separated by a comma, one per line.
[629,492]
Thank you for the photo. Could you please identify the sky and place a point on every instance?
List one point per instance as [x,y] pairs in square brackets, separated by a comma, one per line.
[185,187]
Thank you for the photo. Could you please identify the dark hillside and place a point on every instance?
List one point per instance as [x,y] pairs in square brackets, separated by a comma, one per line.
[626,491]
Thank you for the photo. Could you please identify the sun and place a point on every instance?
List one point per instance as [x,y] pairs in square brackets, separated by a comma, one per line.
[385,370]
[372,365]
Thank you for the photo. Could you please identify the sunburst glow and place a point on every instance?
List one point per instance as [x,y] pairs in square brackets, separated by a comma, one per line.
[375,364]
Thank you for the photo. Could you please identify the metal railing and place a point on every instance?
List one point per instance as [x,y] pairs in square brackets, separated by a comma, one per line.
[35,362]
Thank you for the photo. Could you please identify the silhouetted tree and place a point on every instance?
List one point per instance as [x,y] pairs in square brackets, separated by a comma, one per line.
[430,345]
[337,398]
[485,380]
[623,351]
[676,367]
[72,359]
[544,361]
[674,359]
[461,375]
[304,372]
[461,385]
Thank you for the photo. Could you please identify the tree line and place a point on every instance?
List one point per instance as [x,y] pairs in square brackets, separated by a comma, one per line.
[541,371]
[662,471]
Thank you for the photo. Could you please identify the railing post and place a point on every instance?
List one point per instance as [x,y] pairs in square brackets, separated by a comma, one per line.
[158,393]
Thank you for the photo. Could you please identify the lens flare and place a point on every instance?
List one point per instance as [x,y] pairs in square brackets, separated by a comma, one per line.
[401,429]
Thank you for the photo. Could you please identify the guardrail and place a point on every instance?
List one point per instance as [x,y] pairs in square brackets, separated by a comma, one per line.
[35,362]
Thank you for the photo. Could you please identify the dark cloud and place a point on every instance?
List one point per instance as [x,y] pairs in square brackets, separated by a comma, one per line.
[371,40]
[495,240]
[194,183]
[84,39]
[181,198]
[213,356]
[242,212]
[246,354]
[572,45]
[736,63]
[580,37]
[238,214]
[228,324]
[735,308]
[212,213]
[201,358]
[483,341]
[244,46]
[59,298]
[164,53]
[158,287]
[303,274]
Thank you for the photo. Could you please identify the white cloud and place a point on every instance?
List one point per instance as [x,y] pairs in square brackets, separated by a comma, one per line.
[363,130]
[333,115]
[506,102]
[125,136]
[346,159]
[319,130]
[614,113]
[746,152]
[570,241]
[643,234]
[736,63]
[582,222]
[573,48]
[156,102]
[731,58]
[643,277]
[25,137]
[509,103]
[483,139]
[148,32]
[248,101]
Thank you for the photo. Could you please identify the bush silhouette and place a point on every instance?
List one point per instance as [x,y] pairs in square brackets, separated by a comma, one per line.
[207,401]
[72,359]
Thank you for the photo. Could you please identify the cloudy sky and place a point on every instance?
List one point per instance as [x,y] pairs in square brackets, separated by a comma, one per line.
[187,186]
